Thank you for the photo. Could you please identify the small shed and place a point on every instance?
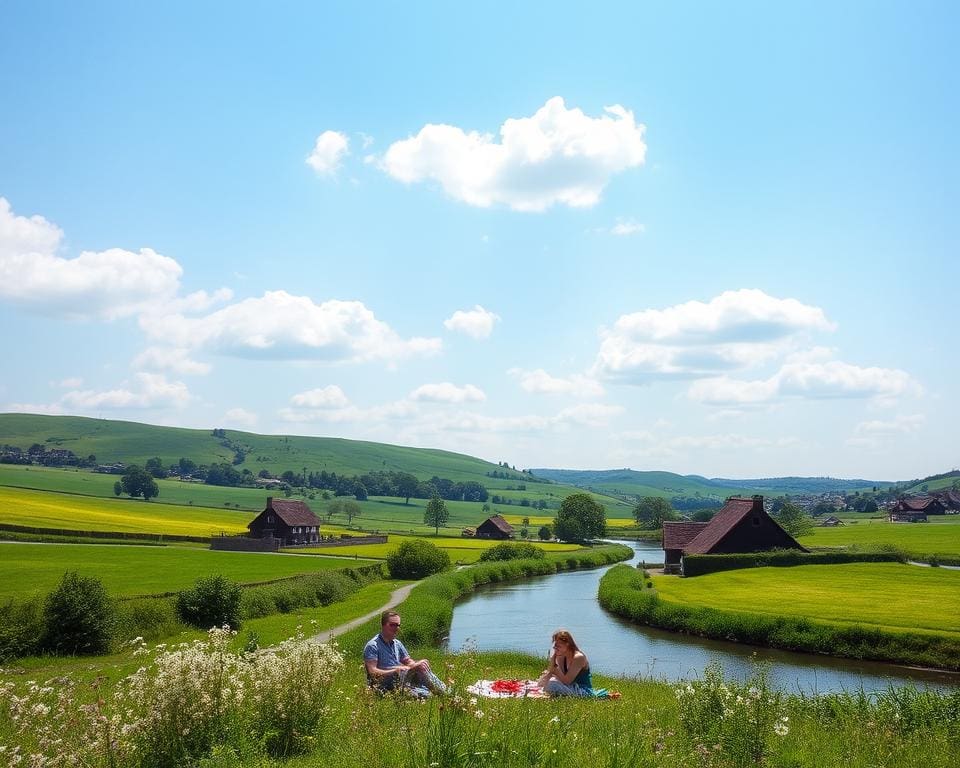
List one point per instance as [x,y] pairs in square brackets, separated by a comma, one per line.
[741,526]
[494,527]
[292,522]
[830,522]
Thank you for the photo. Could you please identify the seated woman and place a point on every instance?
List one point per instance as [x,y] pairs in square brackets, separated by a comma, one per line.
[568,673]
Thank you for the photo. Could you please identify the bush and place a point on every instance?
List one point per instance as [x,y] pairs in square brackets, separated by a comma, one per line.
[148,617]
[211,602]
[417,558]
[21,626]
[507,551]
[698,565]
[78,617]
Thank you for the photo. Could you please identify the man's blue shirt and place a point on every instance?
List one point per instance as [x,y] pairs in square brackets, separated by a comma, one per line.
[388,655]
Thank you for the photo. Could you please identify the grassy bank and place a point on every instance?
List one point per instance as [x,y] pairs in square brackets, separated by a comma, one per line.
[939,536]
[625,592]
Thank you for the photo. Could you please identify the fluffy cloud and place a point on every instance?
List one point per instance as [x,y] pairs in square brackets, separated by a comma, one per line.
[696,339]
[148,391]
[280,326]
[477,322]
[170,359]
[627,227]
[445,392]
[330,396]
[106,284]
[328,152]
[557,156]
[541,382]
[812,380]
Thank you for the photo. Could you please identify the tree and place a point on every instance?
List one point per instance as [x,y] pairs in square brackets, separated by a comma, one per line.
[155,467]
[186,466]
[793,519]
[417,558]
[436,513]
[78,617]
[360,492]
[406,486]
[580,518]
[117,488]
[138,482]
[544,534]
[651,511]
[348,508]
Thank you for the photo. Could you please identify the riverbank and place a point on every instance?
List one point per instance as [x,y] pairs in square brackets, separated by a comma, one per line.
[626,592]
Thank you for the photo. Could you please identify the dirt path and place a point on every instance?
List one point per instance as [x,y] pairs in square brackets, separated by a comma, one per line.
[396,597]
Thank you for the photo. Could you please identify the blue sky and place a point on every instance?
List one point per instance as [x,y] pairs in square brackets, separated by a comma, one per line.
[706,238]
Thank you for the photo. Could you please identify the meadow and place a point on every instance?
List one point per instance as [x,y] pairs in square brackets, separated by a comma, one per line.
[891,596]
[461,550]
[32,569]
[939,536]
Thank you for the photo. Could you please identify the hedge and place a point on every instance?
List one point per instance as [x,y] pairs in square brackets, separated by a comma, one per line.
[623,591]
[698,565]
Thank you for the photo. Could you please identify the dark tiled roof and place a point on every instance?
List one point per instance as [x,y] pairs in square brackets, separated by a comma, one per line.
[676,535]
[293,512]
[500,523]
[721,524]
[919,504]
[950,498]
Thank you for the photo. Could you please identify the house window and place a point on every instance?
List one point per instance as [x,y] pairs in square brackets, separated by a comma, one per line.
[269,518]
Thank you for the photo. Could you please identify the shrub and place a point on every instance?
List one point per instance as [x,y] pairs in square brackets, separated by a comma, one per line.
[21,626]
[148,617]
[508,551]
[416,559]
[78,617]
[211,602]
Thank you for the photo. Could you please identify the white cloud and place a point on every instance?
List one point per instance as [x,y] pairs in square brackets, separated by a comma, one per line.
[477,322]
[71,383]
[328,152]
[541,382]
[811,380]
[626,227]
[240,417]
[445,392]
[148,391]
[280,326]
[696,339]
[107,284]
[557,156]
[330,396]
[900,425]
[170,359]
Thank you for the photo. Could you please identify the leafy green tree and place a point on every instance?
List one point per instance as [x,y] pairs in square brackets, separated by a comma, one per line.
[212,601]
[407,486]
[580,518]
[155,467]
[416,558]
[117,488]
[360,492]
[436,513]
[186,466]
[138,482]
[346,507]
[651,511]
[545,534]
[793,519]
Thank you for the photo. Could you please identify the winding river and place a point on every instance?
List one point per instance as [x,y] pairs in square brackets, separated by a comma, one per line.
[521,617]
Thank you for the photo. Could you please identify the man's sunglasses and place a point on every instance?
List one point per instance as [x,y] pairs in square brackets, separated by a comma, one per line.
[393,624]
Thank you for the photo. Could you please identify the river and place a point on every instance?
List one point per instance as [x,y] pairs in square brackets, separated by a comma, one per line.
[521,617]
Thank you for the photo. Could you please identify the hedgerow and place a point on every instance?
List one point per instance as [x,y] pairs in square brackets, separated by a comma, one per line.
[699,565]
[624,591]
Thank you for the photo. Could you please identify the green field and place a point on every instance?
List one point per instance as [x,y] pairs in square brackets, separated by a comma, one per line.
[887,595]
[31,569]
[461,550]
[940,536]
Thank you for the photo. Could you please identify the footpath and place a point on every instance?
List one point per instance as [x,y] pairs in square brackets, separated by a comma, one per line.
[396,597]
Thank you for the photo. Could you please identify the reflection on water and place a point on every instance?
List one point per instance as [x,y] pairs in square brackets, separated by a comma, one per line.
[522,616]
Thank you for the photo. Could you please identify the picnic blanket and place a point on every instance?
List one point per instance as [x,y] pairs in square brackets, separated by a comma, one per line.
[523,689]
[507,689]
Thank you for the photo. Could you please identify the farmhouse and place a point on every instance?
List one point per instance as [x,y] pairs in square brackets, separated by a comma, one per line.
[291,522]
[915,510]
[741,525]
[494,528]
[950,499]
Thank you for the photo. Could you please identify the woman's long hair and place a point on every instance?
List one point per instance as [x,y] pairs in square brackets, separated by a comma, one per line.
[562,634]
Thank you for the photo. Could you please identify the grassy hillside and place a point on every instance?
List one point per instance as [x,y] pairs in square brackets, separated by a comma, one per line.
[636,483]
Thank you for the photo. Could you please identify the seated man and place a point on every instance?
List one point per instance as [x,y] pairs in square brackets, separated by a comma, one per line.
[389,666]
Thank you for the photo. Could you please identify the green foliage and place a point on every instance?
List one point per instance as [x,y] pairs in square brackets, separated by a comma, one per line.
[507,551]
[417,558]
[213,601]
[344,507]
[305,591]
[21,626]
[436,513]
[652,511]
[793,519]
[138,482]
[698,565]
[78,617]
[544,534]
[580,518]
